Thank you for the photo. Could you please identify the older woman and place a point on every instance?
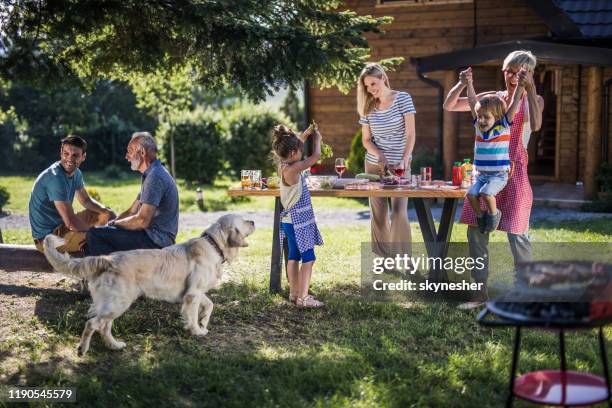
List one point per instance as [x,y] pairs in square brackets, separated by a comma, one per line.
[515,200]
[387,120]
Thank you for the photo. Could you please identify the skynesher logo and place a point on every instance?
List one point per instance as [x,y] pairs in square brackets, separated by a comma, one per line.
[408,263]
[427,286]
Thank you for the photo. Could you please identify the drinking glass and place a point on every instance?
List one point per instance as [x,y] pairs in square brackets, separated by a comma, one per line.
[398,170]
[256,179]
[245,179]
[340,166]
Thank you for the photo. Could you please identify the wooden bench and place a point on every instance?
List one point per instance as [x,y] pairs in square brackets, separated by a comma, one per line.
[22,258]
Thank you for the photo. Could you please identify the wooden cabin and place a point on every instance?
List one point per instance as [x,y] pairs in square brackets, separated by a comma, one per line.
[572,40]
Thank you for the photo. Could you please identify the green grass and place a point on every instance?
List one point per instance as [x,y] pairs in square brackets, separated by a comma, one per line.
[119,194]
[261,352]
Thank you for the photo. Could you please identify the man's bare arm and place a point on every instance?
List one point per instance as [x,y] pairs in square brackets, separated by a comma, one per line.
[139,221]
[72,222]
[92,205]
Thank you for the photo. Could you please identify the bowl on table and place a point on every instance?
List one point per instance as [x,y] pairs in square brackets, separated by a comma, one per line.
[321,182]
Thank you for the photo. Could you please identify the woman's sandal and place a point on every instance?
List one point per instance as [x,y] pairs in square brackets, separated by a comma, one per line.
[309,302]
[292,298]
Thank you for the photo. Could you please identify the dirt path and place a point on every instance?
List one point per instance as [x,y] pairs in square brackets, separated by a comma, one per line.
[198,220]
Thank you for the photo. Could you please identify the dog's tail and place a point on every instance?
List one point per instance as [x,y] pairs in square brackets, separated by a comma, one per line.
[79,267]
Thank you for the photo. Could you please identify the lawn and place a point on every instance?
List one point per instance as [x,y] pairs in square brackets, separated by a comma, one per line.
[262,352]
[119,194]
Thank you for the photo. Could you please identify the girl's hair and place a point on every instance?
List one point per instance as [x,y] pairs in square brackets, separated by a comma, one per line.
[493,104]
[520,58]
[285,141]
[365,101]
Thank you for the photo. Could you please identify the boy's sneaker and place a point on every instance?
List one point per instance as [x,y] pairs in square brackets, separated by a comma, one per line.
[493,221]
[482,222]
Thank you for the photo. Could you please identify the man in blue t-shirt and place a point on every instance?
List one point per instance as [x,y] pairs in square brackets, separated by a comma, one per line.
[50,208]
[152,220]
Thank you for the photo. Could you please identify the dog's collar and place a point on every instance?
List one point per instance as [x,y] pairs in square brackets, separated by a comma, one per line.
[212,241]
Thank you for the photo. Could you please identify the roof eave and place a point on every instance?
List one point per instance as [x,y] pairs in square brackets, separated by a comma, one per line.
[550,51]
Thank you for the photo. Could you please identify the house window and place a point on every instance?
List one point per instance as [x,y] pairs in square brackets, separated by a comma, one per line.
[393,3]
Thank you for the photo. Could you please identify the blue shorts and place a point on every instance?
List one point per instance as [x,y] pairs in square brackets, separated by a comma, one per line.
[489,183]
[294,252]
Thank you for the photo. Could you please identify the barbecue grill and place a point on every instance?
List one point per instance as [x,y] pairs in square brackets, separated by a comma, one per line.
[570,296]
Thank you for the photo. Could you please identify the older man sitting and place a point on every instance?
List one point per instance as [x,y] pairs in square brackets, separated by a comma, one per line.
[152,220]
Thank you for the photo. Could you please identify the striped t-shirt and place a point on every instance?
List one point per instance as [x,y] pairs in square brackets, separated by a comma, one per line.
[388,128]
[492,147]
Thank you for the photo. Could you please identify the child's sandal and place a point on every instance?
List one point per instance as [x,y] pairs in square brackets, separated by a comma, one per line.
[309,302]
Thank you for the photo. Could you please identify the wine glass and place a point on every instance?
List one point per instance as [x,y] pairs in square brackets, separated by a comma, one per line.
[340,166]
[399,171]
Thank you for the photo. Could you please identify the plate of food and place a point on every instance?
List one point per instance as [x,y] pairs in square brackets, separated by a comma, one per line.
[320,182]
[342,182]
[439,187]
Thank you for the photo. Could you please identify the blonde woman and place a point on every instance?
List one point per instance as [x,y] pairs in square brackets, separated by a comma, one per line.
[515,200]
[388,135]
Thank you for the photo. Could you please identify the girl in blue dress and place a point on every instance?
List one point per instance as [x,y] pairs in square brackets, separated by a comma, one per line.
[298,223]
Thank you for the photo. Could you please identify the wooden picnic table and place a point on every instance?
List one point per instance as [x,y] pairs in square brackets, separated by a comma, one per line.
[436,241]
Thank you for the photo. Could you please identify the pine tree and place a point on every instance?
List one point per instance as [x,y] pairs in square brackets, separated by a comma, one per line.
[257,45]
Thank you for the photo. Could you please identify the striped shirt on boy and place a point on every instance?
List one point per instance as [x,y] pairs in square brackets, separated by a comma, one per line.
[492,147]
[388,128]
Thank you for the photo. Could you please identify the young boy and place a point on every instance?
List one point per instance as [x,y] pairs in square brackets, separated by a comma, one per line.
[491,149]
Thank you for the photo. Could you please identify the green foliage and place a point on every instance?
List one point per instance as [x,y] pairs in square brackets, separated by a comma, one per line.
[326,152]
[248,141]
[293,108]
[163,94]
[4,197]
[256,45]
[427,158]
[604,176]
[356,158]
[198,146]
[600,205]
[113,171]
[32,122]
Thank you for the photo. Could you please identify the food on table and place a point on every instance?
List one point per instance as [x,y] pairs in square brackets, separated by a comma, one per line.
[340,183]
[368,176]
[457,176]
[361,186]
[389,181]
[326,152]
[321,182]
[438,183]
[273,182]
[466,173]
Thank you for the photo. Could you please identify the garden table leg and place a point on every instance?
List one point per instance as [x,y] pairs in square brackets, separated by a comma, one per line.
[275,263]
[436,242]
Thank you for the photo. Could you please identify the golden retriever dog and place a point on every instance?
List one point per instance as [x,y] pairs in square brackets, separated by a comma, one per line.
[181,273]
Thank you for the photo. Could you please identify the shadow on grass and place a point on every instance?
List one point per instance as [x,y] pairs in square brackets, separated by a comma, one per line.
[262,352]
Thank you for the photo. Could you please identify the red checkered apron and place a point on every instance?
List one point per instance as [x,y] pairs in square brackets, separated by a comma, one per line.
[515,200]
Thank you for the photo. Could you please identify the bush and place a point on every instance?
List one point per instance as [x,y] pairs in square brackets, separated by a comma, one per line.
[198,149]
[248,141]
[113,171]
[106,145]
[600,205]
[427,158]
[604,176]
[4,197]
[356,159]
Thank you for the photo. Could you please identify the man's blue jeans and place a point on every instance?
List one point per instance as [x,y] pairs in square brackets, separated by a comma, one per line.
[104,240]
